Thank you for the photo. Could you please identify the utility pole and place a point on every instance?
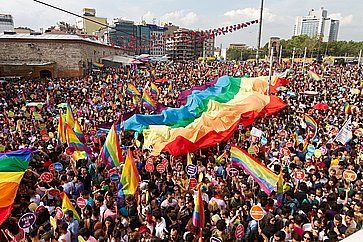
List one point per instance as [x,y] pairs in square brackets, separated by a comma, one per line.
[280,55]
[293,56]
[360,56]
[259,33]
[270,70]
[304,57]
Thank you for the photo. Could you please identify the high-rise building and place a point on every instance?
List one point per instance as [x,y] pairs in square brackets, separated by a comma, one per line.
[157,39]
[124,35]
[317,24]
[6,23]
[87,26]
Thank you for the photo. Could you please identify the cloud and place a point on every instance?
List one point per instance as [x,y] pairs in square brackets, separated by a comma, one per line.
[149,17]
[181,17]
[246,14]
[347,20]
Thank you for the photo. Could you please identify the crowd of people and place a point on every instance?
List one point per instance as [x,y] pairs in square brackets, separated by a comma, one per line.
[322,207]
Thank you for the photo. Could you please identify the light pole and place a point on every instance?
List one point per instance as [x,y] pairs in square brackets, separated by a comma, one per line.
[259,33]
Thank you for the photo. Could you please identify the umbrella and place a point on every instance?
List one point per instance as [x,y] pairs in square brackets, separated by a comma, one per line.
[321,106]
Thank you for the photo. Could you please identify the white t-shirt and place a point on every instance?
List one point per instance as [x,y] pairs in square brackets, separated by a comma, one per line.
[65,237]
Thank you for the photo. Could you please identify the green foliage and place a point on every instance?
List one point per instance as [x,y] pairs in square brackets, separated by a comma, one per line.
[236,54]
[316,47]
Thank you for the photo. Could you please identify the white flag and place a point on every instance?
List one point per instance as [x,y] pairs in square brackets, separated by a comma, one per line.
[345,134]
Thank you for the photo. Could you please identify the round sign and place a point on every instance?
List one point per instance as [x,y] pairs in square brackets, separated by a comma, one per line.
[300,139]
[263,140]
[233,172]
[311,149]
[240,231]
[149,167]
[39,208]
[160,168]
[69,151]
[191,169]
[58,166]
[150,160]
[46,177]
[192,182]
[59,213]
[43,132]
[53,192]
[317,153]
[165,162]
[323,150]
[51,168]
[214,239]
[299,175]
[257,213]
[81,202]
[27,220]
[115,177]
[350,175]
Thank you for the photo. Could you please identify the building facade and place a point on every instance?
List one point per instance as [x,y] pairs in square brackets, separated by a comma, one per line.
[123,34]
[238,46]
[52,55]
[143,39]
[157,40]
[87,26]
[6,23]
[317,24]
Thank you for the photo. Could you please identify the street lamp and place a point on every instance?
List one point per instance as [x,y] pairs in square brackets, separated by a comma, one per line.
[259,33]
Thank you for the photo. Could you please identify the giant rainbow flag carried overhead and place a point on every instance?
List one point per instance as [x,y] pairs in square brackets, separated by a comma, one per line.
[12,168]
[260,173]
[209,117]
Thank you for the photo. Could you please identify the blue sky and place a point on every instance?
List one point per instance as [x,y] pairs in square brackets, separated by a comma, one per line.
[279,15]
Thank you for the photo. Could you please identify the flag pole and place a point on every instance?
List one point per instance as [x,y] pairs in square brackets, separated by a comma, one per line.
[270,70]
[259,33]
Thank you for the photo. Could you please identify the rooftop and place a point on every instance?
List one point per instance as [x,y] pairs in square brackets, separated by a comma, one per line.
[49,37]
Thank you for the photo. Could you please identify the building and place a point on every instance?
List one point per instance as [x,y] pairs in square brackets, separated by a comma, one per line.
[238,46]
[143,39]
[180,46]
[317,24]
[40,55]
[157,40]
[6,23]
[23,30]
[123,34]
[275,43]
[87,26]
[185,44]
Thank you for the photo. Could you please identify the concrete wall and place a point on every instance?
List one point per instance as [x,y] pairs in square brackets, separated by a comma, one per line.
[71,58]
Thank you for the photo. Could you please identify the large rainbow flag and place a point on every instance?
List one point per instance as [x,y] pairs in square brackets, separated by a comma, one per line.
[260,173]
[12,168]
[111,152]
[132,90]
[148,102]
[73,141]
[70,117]
[61,134]
[215,118]
[130,177]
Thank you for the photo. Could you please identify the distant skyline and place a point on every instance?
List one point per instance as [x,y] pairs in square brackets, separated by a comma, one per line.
[279,15]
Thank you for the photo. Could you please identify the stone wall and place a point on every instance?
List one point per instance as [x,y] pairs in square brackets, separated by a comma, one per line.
[71,57]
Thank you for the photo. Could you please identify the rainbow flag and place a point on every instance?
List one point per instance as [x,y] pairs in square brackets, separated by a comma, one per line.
[67,205]
[198,213]
[70,117]
[148,102]
[314,76]
[130,177]
[78,131]
[259,172]
[347,108]
[61,134]
[12,168]
[154,89]
[73,141]
[111,152]
[132,90]
[310,122]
